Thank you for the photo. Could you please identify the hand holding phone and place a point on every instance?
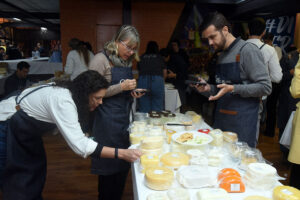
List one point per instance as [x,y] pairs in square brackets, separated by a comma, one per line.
[191,82]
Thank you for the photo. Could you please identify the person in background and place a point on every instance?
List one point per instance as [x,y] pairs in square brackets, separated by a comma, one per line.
[241,80]
[112,118]
[152,71]
[268,39]
[88,46]
[56,54]
[19,80]
[39,110]
[286,103]
[41,49]
[35,53]
[2,53]
[179,65]
[257,29]
[78,58]
[294,154]
[170,76]
[12,52]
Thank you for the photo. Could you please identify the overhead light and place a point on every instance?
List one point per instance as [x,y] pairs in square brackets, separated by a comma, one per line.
[17,19]
[43,28]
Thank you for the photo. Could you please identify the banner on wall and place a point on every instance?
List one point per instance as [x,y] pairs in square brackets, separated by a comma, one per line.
[283,29]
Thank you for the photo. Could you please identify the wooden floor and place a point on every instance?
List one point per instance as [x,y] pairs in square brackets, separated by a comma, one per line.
[69,175]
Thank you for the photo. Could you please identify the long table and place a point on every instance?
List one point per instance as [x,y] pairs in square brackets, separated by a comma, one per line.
[141,191]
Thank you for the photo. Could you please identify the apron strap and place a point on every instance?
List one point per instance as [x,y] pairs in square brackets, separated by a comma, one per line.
[262,46]
[32,91]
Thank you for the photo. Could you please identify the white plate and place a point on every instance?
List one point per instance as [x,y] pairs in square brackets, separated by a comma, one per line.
[195,134]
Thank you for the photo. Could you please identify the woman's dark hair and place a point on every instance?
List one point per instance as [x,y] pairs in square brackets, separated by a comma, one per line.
[152,48]
[83,51]
[81,87]
[217,19]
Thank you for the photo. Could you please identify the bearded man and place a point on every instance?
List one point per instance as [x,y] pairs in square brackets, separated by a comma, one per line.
[241,80]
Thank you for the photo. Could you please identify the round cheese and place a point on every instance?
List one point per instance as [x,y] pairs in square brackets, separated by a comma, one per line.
[135,138]
[157,196]
[174,159]
[157,151]
[159,178]
[153,142]
[178,194]
[286,193]
[148,161]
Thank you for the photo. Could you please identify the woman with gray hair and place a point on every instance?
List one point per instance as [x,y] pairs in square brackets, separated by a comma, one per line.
[112,118]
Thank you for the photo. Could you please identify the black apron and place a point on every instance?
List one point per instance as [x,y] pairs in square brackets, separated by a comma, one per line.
[111,124]
[26,166]
[233,112]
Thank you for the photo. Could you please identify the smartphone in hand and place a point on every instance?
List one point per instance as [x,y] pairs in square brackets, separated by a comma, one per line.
[140,91]
[195,82]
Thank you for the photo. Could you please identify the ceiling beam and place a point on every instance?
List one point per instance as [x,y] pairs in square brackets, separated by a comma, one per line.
[49,25]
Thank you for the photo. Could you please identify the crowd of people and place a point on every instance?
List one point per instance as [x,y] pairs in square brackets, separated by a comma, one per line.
[248,80]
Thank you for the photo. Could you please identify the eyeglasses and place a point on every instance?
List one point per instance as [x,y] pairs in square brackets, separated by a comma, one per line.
[128,48]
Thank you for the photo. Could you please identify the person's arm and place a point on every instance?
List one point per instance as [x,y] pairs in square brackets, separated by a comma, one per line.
[63,112]
[101,64]
[253,68]
[274,67]
[70,63]
[295,84]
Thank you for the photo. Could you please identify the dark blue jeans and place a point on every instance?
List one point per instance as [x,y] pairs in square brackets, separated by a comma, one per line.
[153,100]
[3,130]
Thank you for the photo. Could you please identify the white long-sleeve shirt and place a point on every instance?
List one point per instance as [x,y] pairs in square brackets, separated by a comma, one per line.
[271,60]
[75,64]
[53,105]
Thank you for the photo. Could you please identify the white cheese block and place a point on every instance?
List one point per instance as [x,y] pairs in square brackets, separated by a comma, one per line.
[212,194]
[178,194]
[217,136]
[194,176]
[203,161]
[157,196]
[194,153]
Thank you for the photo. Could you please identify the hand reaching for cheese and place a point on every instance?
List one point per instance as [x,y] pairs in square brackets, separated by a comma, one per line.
[130,155]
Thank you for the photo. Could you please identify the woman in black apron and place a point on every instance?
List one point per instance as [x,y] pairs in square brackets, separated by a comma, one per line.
[66,105]
[112,118]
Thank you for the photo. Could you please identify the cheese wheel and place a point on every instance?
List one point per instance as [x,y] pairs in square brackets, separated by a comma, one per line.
[159,178]
[212,194]
[148,161]
[257,198]
[157,151]
[286,193]
[135,138]
[227,172]
[178,194]
[174,159]
[232,184]
[154,142]
[157,196]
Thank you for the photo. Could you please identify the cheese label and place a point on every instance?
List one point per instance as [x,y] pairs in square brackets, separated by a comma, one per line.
[230,133]
[150,157]
[235,187]
[286,191]
[159,172]
[175,155]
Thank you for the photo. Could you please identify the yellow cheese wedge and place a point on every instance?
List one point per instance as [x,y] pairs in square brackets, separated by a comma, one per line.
[286,193]
[159,178]
[174,159]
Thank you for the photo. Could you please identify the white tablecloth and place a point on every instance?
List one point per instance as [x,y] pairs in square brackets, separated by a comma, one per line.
[37,66]
[172,100]
[141,191]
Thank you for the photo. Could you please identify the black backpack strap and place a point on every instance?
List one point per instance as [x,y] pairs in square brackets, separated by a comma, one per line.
[262,46]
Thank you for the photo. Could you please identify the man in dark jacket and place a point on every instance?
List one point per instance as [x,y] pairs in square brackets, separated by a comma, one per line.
[19,80]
